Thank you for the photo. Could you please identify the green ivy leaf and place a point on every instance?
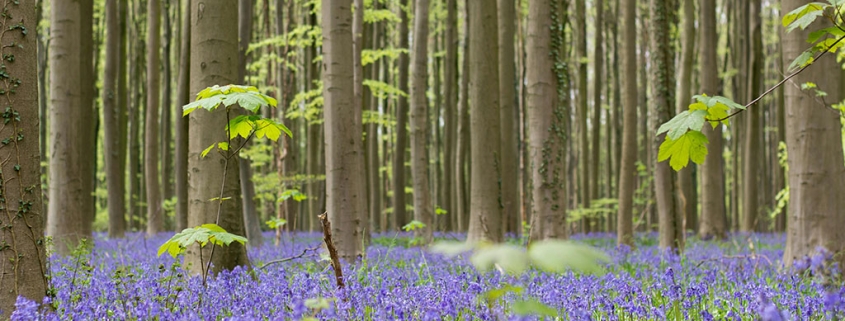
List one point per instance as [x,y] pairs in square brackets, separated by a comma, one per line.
[534,307]
[558,256]
[803,16]
[686,120]
[692,145]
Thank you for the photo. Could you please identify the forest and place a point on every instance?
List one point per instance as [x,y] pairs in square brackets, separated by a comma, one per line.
[422,160]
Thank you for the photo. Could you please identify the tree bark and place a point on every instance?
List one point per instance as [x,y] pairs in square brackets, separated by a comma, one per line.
[450,86]
[24,270]
[509,166]
[155,215]
[712,222]
[685,175]
[214,61]
[814,144]
[592,223]
[346,199]
[485,213]
[182,98]
[112,111]
[423,208]
[628,158]
[581,98]
[663,88]
[372,135]
[547,138]
[400,215]
[71,182]
[751,162]
[463,139]
[166,110]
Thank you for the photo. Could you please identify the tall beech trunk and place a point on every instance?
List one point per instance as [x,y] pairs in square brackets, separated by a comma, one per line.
[581,99]
[485,167]
[214,40]
[346,198]
[182,98]
[592,224]
[155,214]
[112,111]
[450,105]
[713,223]
[463,140]
[423,207]
[685,176]
[752,220]
[547,137]
[316,197]
[358,106]
[166,110]
[628,158]
[509,165]
[662,55]
[372,136]
[814,143]
[401,216]
[71,68]
[24,270]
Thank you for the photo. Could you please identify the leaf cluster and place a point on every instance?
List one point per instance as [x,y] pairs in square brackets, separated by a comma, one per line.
[202,235]
[684,140]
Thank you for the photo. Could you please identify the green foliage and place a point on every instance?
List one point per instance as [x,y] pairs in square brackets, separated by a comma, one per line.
[247,97]
[201,235]
[803,16]
[413,226]
[553,256]
[599,208]
[292,193]
[276,223]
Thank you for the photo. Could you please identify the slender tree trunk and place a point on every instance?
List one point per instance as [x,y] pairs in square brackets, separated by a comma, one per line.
[685,176]
[166,110]
[751,162]
[814,143]
[547,138]
[646,181]
[43,35]
[155,215]
[24,269]
[663,89]
[423,210]
[463,139]
[401,124]
[251,219]
[780,171]
[346,199]
[373,139]
[594,158]
[583,140]
[508,117]
[291,159]
[358,103]
[712,177]
[450,86]
[315,142]
[71,180]
[628,158]
[112,111]
[182,98]
[485,213]
[214,39]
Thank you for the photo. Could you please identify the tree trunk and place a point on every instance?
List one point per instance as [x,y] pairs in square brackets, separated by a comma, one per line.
[24,270]
[291,159]
[112,111]
[182,98]
[450,86]
[400,215]
[547,138]
[372,136]
[214,61]
[685,175]
[712,222]
[485,167]
[346,199]
[423,210]
[71,182]
[463,133]
[251,219]
[166,110]
[751,162]
[508,117]
[814,144]
[315,142]
[663,88]
[155,215]
[358,103]
[598,57]
[583,140]
[628,158]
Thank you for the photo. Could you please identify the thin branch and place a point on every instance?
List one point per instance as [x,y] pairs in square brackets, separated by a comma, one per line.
[300,255]
[327,237]
[770,90]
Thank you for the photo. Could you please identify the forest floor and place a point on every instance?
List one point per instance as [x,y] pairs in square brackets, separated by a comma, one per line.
[739,279]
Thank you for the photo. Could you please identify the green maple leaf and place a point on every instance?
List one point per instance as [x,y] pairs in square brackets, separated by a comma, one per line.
[690,146]
[687,120]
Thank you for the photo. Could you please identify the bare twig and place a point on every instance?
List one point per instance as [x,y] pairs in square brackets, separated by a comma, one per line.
[327,237]
[305,251]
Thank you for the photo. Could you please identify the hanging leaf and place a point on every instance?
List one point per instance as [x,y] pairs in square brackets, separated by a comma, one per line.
[803,16]
[692,145]
[687,120]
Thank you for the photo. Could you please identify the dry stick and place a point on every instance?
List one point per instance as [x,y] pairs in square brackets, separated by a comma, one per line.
[327,237]
[305,251]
